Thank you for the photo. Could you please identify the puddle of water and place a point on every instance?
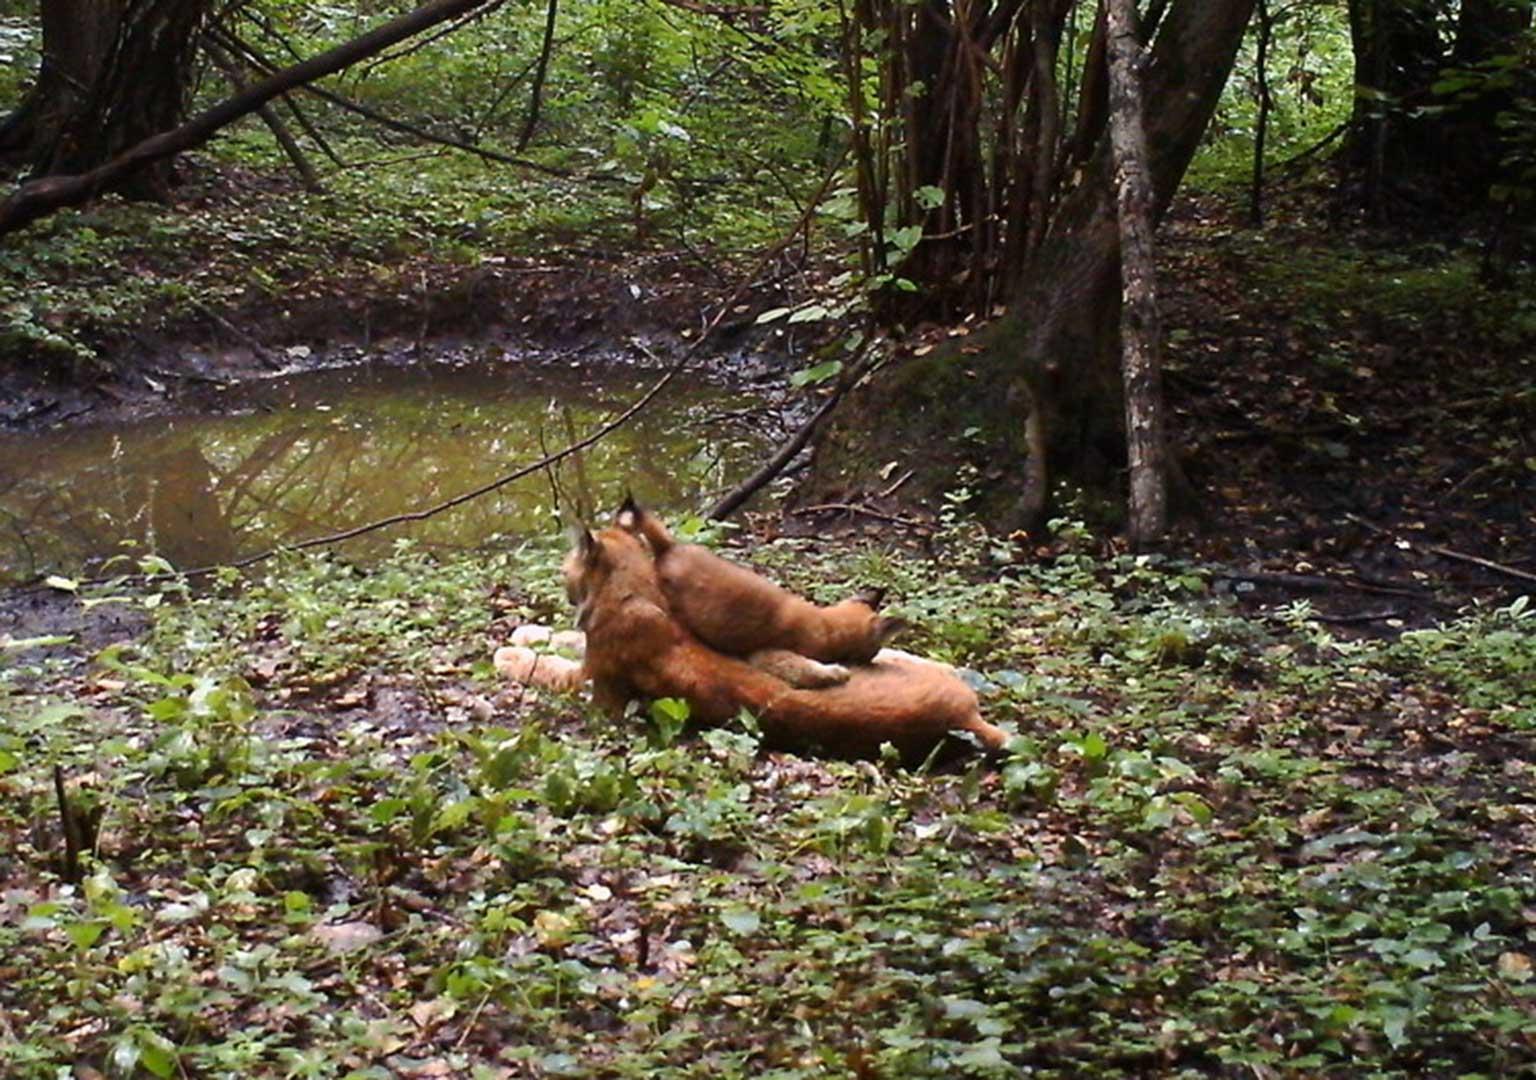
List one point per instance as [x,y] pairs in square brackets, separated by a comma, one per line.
[314,454]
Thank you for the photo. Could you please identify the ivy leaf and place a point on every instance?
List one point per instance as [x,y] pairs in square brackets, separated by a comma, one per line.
[156,1053]
[929,197]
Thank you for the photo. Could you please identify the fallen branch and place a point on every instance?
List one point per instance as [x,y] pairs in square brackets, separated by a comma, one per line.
[1317,582]
[734,499]
[1361,616]
[43,196]
[1445,552]
[863,511]
[1486,564]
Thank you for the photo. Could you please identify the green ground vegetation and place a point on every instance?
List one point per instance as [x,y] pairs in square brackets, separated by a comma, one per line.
[331,845]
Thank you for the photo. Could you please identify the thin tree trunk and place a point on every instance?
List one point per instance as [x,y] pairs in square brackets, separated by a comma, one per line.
[1261,124]
[1140,326]
[290,146]
[536,96]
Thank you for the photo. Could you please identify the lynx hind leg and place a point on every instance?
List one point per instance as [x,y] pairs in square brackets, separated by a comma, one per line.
[798,671]
[542,671]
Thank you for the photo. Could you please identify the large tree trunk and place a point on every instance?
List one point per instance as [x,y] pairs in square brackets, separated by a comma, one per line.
[1064,315]
[1039,393]
[114,72]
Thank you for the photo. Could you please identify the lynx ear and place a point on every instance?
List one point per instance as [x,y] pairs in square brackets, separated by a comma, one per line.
[887,627]
[628,517]
[584,543]
[873,597]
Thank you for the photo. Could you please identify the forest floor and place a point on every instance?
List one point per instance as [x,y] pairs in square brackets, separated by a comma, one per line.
[1233,837]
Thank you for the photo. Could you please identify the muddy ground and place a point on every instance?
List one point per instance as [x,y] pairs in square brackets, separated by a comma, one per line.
[1389,490]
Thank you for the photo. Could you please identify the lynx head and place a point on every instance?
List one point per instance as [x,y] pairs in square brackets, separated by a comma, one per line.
[611,564]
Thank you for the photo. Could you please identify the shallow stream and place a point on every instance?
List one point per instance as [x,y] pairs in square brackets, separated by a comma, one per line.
[290,458]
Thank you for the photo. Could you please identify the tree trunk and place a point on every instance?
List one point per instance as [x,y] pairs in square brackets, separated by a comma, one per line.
[114,72]
[1068,388]
[43,196]
[1140,325]
[1039,391]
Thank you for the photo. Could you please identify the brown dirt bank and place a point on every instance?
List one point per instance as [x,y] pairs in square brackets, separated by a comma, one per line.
[628,311]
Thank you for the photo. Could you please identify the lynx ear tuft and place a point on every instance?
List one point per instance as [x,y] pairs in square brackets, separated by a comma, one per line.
[873,596]
[628,517]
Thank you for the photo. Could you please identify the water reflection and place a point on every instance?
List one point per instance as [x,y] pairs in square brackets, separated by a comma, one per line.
[314,454]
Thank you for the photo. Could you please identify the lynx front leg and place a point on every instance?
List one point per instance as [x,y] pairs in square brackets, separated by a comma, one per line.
[798,671]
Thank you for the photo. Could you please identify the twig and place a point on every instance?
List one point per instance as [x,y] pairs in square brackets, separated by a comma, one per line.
[888,492]
[1445,552]
[865,511]
[261,352]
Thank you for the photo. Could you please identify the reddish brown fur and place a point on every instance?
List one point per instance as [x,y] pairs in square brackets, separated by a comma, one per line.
[737,611]
[636,649]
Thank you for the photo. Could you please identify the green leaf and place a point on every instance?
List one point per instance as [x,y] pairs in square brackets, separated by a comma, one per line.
[156,1053]
[741,920]
[668,718]
[929,197]
[773,314]
[455,814]
[1394,1024]
[813,376]
[85,934]
[1197,807]
[904,240]
[809,313]
[62,584]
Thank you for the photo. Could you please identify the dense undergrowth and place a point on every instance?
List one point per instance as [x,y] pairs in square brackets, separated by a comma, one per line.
[331,845]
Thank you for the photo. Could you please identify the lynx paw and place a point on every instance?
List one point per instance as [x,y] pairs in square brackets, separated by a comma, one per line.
[801,672]
[540,670]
